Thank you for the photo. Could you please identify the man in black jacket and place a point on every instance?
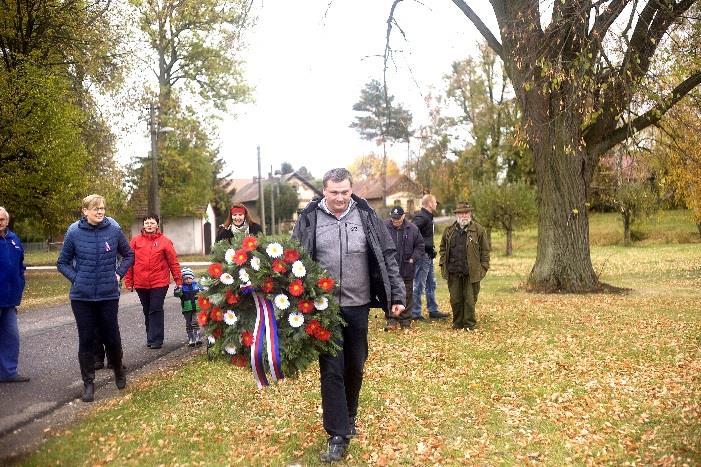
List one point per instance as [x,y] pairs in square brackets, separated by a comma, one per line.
[410,250]
[347,238]
[424,276]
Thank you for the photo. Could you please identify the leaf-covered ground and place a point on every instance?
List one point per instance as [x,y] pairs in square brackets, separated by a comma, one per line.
[546,379]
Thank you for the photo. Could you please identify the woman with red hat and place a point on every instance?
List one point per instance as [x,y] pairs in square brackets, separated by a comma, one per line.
[238,221]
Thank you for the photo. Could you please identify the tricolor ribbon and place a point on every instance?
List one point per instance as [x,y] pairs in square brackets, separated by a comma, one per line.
[264,331]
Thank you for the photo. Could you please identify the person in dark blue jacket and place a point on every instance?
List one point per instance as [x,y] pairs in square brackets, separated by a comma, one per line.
[11,288]
[89,259]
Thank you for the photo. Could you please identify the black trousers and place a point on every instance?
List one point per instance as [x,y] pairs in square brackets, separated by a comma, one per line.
[152,304]
[97,317]
[342,374]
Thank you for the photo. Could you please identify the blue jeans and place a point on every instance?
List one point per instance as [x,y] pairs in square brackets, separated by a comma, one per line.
[9,342]
[424,277]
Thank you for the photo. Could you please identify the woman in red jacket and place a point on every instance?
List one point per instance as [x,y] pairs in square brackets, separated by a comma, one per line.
[154,261]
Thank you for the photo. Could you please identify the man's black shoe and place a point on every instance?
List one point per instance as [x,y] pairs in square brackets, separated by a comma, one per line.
[418,318]
[335,451]
[15,379]
[438,315]
[352,430]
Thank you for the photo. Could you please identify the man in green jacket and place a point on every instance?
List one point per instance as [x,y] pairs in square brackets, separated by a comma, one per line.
[464,261]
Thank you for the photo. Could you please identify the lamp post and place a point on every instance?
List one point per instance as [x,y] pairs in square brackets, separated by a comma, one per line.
[154,202]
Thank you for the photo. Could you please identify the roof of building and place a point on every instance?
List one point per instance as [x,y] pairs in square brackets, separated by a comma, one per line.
[371,188]
[139,204]
[249,192]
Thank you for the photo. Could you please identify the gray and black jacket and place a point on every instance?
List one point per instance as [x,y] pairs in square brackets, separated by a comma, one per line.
[386,287]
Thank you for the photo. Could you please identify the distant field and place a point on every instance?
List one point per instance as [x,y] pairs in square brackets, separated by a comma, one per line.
[668,227]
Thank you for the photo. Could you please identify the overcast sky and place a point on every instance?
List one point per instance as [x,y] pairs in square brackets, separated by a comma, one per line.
[307,65]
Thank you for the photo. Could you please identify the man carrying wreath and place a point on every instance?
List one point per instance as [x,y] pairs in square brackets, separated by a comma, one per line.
[346,237]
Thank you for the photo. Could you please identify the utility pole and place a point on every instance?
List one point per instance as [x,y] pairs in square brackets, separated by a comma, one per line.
[261,199]
[154,202]
[272,204]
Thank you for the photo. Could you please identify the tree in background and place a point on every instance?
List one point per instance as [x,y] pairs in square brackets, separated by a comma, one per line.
[382,121]
[370,166]
[679,148]
[578,71]
[195,46]
[488,116]
[55,56]
[286,203]
[507,207]
[635,200]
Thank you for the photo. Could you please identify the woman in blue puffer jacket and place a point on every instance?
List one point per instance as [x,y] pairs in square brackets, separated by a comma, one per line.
[89,260]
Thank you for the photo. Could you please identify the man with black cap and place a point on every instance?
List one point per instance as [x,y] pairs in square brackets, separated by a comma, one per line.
[464,261]
[410,249]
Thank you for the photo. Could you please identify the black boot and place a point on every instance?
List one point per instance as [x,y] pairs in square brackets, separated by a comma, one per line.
[120,377]
[335,450]
[87,372]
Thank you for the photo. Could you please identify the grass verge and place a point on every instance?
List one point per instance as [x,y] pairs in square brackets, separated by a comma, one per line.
[546,379]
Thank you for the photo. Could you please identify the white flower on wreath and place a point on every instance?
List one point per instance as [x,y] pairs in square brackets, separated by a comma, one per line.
[205,281]
[211,340]
[226,279]
[230,349]
[321,303]
[298,269]
[243,275]
[229,255]
[255,263]
[230,317]
[282,302]
[274,250]
[296,319]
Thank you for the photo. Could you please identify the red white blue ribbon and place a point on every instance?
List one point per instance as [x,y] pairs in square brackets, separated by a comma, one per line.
[264,331]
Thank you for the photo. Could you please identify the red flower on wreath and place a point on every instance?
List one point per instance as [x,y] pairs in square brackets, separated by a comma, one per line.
[290,256]
[216,314]
[279,266]
[267,285]
[296,288]
[239,361]
[249,243]
[326,284]
[305,306]
[247,338]
[312,327]
[204,303]
[323,334]
[215,270]
[202,318]
[216,333]
[240,257]
[231,298]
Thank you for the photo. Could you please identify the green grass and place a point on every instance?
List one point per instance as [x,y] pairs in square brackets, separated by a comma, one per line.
[546,379]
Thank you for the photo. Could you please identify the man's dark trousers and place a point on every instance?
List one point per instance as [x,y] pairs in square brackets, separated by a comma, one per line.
[463,296]
[342,374]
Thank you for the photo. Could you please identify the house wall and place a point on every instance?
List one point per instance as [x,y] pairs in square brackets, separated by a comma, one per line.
[408,201]
[186,233]
[304,195]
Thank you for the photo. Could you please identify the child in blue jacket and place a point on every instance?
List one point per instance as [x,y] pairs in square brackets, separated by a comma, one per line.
[188,302]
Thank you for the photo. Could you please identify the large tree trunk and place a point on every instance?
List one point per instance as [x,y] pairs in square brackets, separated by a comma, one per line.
[563,261]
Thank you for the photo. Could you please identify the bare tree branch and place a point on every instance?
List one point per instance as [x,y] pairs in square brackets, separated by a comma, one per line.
[650,117]
[481,27]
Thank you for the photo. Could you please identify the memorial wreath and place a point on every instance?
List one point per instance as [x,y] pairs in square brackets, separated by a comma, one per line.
[266,305]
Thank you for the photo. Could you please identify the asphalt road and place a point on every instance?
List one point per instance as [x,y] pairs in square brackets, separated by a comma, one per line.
[49,356]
